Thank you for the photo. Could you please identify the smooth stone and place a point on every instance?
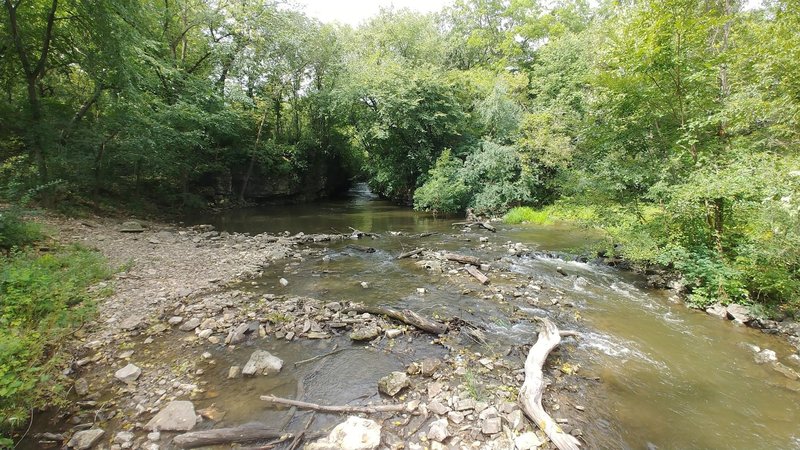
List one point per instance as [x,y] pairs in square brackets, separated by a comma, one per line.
[190,324]
[262,362]
[365,333]
[739,313]
[178,415]
[83,440]
[128,374]
[81,386]
[353,434]
[234,372]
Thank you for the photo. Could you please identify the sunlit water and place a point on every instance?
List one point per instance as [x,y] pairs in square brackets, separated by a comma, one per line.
[671,377]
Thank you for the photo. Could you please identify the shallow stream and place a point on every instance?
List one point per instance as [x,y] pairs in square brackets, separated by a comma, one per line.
[670,377]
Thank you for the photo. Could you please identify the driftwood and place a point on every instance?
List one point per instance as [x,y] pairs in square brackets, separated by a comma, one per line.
[359,233]
[416,251]
[463,259]
[406,316]
[484,225]
[530,395]
[244,433]
[343,409]
[483,279]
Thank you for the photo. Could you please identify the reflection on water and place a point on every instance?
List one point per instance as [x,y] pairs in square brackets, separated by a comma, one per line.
[671,377]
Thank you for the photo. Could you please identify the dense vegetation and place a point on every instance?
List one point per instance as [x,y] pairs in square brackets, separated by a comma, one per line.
[671,124]
[45,297]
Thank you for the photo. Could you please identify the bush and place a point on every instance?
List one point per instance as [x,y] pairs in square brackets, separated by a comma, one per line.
[14,232]
[45,298]
[445,191]
[526,214]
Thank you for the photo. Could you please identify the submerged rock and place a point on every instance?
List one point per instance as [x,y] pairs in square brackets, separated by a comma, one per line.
[365,333]
[262,362]
[85,439]
[178,415]
[353,434]
[393,383]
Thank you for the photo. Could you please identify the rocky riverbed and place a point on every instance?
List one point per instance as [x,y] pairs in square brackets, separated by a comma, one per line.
[187,300]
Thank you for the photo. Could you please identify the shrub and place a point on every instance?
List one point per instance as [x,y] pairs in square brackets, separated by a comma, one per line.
[526,214]
[14,232]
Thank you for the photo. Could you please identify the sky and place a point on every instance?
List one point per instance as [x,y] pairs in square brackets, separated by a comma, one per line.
[354,12]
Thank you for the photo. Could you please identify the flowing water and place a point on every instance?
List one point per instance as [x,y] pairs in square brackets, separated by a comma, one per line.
[671,377]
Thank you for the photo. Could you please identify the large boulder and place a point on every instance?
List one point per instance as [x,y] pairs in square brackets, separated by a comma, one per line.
[262,362]
[178,415]
[353,434]
[739,313]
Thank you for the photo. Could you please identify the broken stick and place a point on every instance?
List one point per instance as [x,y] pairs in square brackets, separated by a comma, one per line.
[406,316]
[416,251]
[463,259]
[242,434]
[344,409]
[483,279]
[530,395]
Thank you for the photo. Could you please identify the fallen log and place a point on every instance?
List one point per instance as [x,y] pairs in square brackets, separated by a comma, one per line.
[463,259]
[483,279]
[343,409]
[530,395]
[359,233]
[221,436]
[406,316]
[484,225]
[416,251]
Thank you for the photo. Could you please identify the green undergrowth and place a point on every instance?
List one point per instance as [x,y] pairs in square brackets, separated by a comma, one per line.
[46,296]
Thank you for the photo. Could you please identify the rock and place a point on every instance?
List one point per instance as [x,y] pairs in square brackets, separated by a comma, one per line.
[430,365]
[718,311]
[128,374]
[438,408]
[190,324]
[81,386]
[284,282]
[123,437]
[765,356]
[131,323]
[131,226]
[455,417]
[234,372]
[85,439]
[527,441]
[364,284]
[208,324]
[464,405]
[739,313]
[393,333]
[353,434]
[434,389]
[237,335]
[438,430]
[262,362]
[154,436]
[174,320]
[178,415]
[365,333]
[784,370]
[205,334]
[491,426]
[393,383]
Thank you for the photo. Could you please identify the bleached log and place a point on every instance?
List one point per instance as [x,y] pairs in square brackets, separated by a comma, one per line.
[483,279]
[530,395]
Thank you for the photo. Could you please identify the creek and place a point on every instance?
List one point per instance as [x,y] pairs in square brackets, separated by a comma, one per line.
[670,376]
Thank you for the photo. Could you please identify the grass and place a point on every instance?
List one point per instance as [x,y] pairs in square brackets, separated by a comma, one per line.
[45,298]
[559,212]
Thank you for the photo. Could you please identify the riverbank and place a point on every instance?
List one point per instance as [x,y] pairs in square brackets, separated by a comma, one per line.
[186,313]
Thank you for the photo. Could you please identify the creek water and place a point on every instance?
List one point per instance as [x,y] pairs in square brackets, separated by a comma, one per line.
[670,377]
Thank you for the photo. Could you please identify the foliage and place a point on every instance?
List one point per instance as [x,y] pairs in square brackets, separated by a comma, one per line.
[14,231]
[526,214]
[445,191]
[45,297]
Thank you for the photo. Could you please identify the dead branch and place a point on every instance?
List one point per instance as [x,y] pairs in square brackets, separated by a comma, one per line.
[406,316]
[340,409]
[483,279]
[220,436]
[530,395]
[411,253]
[463,259]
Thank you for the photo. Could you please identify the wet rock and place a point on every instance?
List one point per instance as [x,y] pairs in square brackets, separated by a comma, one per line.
[178,415]
[284,282]
[765,356]
[234,372]
[128,374]
[83,440]
[365,333]
[237,335]
[262,362]
[190,324]
[739,313]
[527,441]
[438,431]
[353,434]
[393,383]
[784,370]
[81,386]
[717,310]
